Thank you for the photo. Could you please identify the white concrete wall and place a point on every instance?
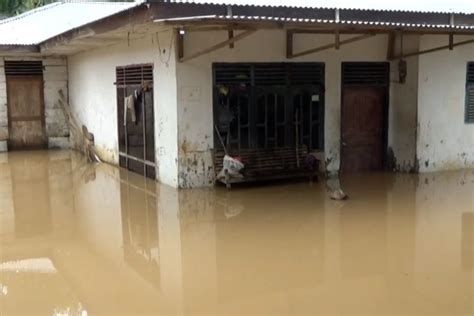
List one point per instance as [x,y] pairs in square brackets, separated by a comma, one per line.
[55,79]
[195,94]
[94,100]
[403,108]
[3,104]
[444,140]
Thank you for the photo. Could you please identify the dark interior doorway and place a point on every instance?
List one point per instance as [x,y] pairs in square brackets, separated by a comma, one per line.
[26,123]
[364,116]
[136,123]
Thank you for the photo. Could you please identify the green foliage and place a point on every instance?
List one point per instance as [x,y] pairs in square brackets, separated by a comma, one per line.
[14,7]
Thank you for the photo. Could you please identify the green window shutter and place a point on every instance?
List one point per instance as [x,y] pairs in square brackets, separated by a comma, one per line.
[469,112]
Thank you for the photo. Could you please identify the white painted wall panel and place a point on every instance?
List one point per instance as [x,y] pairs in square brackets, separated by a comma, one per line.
[444,141]
[55,79]
[403,108]
[94,100]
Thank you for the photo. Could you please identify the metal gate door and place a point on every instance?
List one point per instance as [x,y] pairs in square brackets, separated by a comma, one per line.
[136,124]
[269,105]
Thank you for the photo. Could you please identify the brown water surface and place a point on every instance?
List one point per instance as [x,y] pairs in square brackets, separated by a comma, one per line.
[78,239]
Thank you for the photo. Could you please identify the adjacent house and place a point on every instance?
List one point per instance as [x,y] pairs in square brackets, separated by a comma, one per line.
[165,86]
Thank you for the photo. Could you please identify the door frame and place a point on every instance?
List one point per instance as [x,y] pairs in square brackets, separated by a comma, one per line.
[385,110]
[42,112]
[124,82]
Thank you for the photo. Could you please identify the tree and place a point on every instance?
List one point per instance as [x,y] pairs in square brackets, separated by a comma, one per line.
[14,7]
[9,7]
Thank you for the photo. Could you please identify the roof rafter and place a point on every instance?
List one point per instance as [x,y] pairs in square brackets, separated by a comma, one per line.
[217,46]
[332,45]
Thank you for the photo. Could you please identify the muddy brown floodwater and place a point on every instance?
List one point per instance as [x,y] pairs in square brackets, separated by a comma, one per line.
[78,239]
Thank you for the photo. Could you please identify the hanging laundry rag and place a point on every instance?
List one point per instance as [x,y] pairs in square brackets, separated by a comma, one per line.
[129,104]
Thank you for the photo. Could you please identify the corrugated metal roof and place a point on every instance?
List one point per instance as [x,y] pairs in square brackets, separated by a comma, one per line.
[432,6]
[345,22]
[38,25]
[244,18]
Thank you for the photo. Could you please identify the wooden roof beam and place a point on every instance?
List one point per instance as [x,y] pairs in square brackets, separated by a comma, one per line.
[337,40]
[289,44]
[217,46]
[216,28]
[435,49]
[310,27]
[333,45]
[391,45]
[19,49]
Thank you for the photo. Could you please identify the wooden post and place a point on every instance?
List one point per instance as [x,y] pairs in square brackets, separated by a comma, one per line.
[451,41]
[180,44]
[391,45]
[337,40]
[231,35]
[289,44]
[230,32]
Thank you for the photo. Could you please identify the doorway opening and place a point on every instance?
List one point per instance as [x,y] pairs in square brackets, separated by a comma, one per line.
[364,116]
[136,122]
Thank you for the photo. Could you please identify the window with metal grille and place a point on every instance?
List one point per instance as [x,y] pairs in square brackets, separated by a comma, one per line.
[268,105]
[23,68]
[469,111]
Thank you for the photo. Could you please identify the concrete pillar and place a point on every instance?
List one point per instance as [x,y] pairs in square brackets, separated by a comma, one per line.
[55,78]
[166,114]
[3,109]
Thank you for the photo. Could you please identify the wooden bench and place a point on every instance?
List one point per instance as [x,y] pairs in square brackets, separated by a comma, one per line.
[267,164]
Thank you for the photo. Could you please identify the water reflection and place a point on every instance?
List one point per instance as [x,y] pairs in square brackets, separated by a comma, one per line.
[106,241]
[140,226]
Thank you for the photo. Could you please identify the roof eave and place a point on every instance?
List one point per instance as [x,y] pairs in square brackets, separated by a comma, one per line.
[310,26]
[97,27]
[19,49]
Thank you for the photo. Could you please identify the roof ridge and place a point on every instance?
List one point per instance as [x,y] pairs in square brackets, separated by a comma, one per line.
[70,15]
[61,2]
[100,2]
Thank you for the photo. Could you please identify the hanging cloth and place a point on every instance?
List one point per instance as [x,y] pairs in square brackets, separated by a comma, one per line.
[129,105]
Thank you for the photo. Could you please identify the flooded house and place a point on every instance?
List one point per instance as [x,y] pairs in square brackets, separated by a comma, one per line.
[168,87]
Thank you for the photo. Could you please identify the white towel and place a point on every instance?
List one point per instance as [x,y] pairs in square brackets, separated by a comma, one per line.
[129,104]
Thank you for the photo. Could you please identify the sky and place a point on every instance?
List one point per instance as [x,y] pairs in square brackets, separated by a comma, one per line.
[466,6]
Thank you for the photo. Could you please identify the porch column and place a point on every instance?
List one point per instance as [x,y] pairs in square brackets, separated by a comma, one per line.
[166,111]
[3,109]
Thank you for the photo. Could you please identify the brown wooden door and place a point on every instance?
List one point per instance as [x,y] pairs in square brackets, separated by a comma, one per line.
[26,112]
[362,129]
